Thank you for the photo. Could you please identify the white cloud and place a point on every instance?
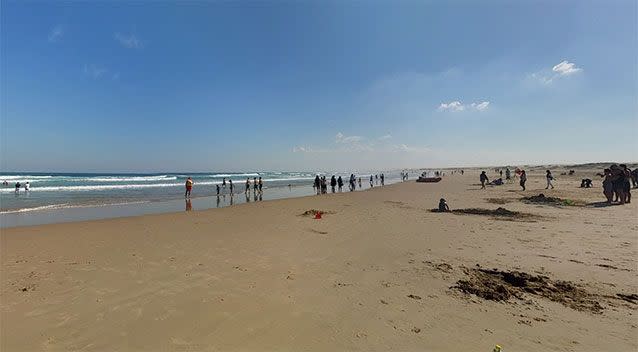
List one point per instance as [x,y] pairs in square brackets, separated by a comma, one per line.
[565,68]
[411,149]
[452,106]
[94,71]
[340,138]
[385,137]
[481,106]
[55,34]
[299,149]
[562,69]
[128,41]
[456,106]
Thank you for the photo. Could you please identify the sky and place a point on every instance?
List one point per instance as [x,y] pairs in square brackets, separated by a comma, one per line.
[151,86]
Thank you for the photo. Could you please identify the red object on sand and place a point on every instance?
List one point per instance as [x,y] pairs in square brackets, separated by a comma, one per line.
[318,215]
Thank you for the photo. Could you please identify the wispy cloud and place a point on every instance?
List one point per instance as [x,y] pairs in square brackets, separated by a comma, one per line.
[345,143]
[565,68]
[341,138]
[128,41]
[95,71]
[412,149]
[56,34]
[456,106]
[562,69]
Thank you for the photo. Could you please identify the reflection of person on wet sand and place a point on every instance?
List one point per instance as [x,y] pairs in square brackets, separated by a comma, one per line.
[189,205]
[218,200]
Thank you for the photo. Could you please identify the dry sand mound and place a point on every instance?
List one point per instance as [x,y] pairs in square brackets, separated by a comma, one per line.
[497,285]
[498,213]
[542,199]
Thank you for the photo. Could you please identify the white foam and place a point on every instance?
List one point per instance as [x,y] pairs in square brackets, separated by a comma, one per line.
[66,206]
[137,186]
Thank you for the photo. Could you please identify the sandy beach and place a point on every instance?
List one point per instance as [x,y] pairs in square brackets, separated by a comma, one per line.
[378,272]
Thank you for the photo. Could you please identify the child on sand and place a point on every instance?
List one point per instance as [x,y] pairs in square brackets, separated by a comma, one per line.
[443,207]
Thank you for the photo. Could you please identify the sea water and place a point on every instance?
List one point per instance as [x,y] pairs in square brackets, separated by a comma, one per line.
[59,197]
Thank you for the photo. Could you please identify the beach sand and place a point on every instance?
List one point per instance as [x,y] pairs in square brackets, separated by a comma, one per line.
[378,272]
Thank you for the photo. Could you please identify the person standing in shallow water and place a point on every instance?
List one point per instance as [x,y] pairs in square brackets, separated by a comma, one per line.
[261,185]
[382,179]
[255,185]
[371,182]
[523,179]
[340,183]
[189,187]
[483,179]
[224,182]
[317,184]
[247,189]
[333,183]
[230,185]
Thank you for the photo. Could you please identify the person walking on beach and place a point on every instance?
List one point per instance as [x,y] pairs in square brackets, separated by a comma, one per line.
[371,182]
[333,183]
[549,177]
[508,175]
[255,185]
[189,187]
[230,185]
[382,180]
[483,179]
[224,183]
[261,185]
[359,182]
[247,189]
[217,187]
[317,184]
[523,179]
[339,183]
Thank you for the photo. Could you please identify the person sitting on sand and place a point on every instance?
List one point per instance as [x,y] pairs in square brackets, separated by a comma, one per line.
[189,187]
[523,179]
[585,183]
[443,207]
[497,182]
[483,179]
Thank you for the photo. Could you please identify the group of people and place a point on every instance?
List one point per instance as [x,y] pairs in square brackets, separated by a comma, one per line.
[522,175]
[320,184]
[258,185]
[617,183]
[404,175]
[18,185]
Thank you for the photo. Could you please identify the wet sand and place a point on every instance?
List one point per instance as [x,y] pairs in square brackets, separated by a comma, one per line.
[378,272]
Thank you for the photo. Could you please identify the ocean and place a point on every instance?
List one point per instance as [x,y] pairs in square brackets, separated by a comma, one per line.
[60,197]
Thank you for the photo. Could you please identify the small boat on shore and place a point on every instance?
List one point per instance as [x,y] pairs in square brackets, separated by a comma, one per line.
[428,179]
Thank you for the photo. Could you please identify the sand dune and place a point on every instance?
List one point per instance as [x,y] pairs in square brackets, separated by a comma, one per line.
[378,272]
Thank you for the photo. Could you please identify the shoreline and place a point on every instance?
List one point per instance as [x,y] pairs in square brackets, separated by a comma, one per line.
[75,213]
[378,271]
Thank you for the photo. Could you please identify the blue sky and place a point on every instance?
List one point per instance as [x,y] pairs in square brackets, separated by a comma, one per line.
[277,85]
